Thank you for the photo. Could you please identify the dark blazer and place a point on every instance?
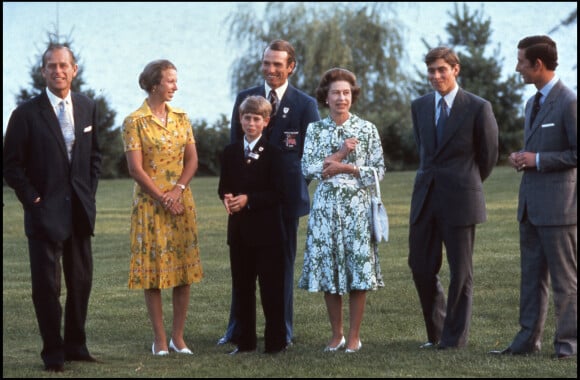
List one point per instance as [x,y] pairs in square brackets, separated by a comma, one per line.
[550,194]
[36,165]
[287,131]
[260,223]
[451,172]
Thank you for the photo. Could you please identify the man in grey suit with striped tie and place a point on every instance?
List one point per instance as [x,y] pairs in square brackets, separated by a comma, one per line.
[547,208]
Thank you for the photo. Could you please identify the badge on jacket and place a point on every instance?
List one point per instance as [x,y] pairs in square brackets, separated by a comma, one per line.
[291,139]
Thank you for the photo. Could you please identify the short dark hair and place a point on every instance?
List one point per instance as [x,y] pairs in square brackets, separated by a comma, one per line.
[55,46]
[256,104]
[153,72]
[282,45]
[331,76]
[542,48]
[442,52]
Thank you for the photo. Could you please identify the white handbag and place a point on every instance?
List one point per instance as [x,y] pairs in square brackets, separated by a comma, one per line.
[379,217]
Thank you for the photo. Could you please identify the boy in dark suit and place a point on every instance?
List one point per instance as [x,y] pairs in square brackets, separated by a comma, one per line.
[252,193]
[293,111]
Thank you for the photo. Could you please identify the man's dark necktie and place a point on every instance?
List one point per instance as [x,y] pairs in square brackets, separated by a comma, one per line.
[442,119]
[273,98]
[247,151]
[535,108]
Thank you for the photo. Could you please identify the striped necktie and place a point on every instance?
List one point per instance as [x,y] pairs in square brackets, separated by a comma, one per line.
[67,127]
[273,98]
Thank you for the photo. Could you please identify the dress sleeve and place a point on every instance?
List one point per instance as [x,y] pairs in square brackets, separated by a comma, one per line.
[131,136]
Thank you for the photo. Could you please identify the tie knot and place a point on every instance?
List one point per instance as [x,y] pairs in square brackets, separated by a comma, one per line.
[443,104]
[538,97]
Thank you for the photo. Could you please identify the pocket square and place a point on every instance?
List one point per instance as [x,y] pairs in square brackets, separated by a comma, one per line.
[547,125]
[88,129]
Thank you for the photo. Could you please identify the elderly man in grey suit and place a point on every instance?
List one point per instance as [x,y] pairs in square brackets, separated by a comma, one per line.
[547,208]
[457,140]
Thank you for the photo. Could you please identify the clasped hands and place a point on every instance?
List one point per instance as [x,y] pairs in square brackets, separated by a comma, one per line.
[235,203]
[522,160]
[172,201]
[332,164]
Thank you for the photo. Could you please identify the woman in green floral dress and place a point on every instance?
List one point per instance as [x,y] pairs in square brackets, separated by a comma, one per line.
[341,152]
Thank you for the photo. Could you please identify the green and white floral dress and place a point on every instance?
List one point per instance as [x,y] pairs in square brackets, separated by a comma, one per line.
[340,253]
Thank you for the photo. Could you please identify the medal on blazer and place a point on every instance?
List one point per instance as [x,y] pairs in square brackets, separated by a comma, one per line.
[291,139]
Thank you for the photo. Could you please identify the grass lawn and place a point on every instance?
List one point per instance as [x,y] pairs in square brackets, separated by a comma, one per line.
[119,332]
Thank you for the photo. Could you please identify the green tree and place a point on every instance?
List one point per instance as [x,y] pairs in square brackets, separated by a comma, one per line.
[110,141]
[210,141]
[469,35]
[361,37]
[572,18]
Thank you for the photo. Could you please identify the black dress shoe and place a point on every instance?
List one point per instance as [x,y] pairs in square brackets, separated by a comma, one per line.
[509,351]
[54,367]
[276,351]
[81,358]
[505,351]
[562,356]
[239,350]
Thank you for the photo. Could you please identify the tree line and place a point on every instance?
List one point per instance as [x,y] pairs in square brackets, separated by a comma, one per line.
[362,37]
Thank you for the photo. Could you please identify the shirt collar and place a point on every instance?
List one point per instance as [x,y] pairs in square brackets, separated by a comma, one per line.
[55,100]
[252,144]
[280,91]
[547,88]
[449,98]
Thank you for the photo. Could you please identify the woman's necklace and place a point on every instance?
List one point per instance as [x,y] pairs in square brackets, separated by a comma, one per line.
[160,115]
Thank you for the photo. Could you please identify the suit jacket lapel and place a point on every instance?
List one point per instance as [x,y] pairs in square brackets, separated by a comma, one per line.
[544,110]
[427,114]
[52,121]
[456,116]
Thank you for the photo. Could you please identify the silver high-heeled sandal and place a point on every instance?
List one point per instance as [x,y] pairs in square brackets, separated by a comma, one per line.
[160,353]
[184,350]
[337,347]
[350,351]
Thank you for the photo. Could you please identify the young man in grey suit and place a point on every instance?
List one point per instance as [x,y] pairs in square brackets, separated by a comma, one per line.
[53,163]
[292,111]
[457,141]
[547,208]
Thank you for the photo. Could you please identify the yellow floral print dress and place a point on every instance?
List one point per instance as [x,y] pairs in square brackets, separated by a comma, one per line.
[164,247]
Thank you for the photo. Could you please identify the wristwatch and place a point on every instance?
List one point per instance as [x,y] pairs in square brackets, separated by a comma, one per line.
[182,187]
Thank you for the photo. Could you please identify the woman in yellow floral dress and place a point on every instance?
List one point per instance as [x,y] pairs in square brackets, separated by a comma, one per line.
[162,158]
